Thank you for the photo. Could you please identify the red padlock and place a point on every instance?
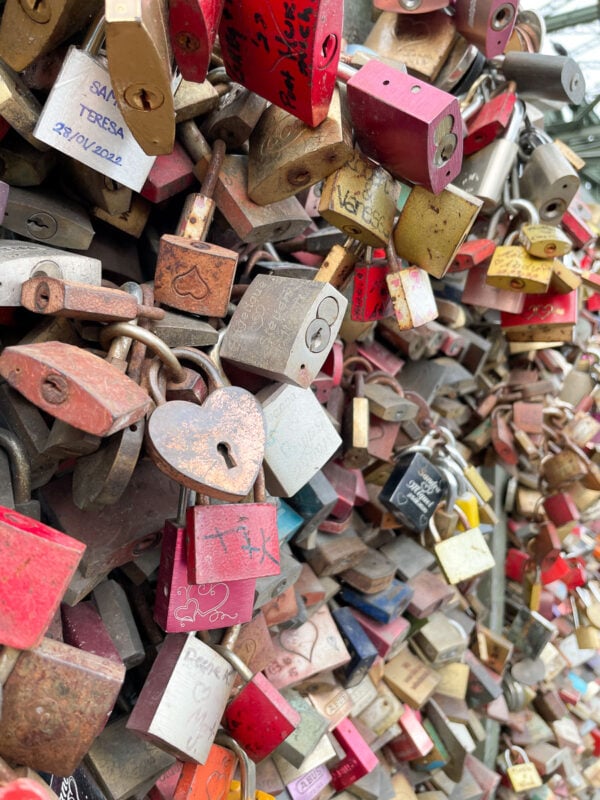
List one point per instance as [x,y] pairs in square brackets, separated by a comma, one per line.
[410,127]
[488,24]
[359,761]
[370,296]
[286,52]
[490,122]
[193,28]
[231,541]
[36,565]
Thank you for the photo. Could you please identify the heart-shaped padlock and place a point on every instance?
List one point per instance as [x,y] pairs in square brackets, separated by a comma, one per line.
[215,448]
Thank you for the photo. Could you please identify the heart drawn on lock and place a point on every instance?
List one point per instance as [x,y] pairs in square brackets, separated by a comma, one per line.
[208,601]
[216,448]
[302,641]
[214,785]
[191,283]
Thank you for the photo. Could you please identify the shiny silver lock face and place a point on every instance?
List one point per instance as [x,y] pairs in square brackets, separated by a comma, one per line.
[485,173]
[20,261]
[549,182]
[284,328]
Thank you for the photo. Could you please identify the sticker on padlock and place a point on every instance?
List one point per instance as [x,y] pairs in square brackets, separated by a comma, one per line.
[89,126]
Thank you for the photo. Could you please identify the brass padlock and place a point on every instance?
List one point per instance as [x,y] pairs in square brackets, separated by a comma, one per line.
[524,776]
[360,199]
[286,155]
[142,83]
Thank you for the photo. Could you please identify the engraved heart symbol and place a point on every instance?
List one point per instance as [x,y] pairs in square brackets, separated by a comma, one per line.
[191,283]
[301,641]
[203,600]
[215,784]
[216,449]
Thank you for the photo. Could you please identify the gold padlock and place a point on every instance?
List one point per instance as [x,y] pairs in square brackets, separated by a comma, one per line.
[523,777]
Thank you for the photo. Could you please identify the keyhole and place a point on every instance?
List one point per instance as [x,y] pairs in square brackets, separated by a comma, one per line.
[144,100]
[225,451]
[37,10]
[328,49]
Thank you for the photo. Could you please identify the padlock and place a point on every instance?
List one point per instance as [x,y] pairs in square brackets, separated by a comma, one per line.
[413,302]
[488,24]
[451,554]
[370,296]
[61,379]
[478,291]
[19,107]
[298,47]
[548,180]
[544,241]
[359,758]
[523,776]
[116,614]
[236,117]
[417,44]
[552,77]
[256,699]
[194,100]
[383,100]
[546,317]
[102,473]
[383,606]
[587,635]
[112,774]
[191,274]
[356,425]
[35,554]
[27,33]
[386,398]
[362,651]
[216,532]
[338,265]
[193,30]
[490,121]
[142,86]
[413,491]
[56,700]
[360,199]
[410,679]
[47,295]
[298,356]
[302,653]
[250,221]
[48,217]
[222,464]
[287,156]
[85,123]
[441,640]
[183,661]
[448,218]
[485,172]
[311,728]
[215,775]
[84,629]
[84,183]
[294,416]
[23,165]
[170,174]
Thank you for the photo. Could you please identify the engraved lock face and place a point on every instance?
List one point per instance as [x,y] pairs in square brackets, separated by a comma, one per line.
[294,351]
[413,491]
[287,54]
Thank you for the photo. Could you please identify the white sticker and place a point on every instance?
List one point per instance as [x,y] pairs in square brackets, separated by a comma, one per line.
[81,119]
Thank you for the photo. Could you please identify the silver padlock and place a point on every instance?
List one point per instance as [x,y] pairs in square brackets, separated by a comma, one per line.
[81,117]
[284,328]
[485,173]
[548,180]
[20,261]
[551,77]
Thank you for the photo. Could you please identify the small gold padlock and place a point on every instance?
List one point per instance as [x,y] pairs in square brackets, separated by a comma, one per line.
[462,556]
[523,777]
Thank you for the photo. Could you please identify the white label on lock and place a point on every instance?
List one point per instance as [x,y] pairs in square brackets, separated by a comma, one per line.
[81,119]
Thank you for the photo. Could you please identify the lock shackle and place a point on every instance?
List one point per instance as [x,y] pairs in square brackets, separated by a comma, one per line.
[151,341]
[453,487]
[392,257]
[379,376]
[94,38]
[218,75]
[247,767]
[20,467]
[519,204]
[182,506]
[225,649]
[515,748]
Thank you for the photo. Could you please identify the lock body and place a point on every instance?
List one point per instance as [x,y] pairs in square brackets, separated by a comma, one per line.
[193,30]
[549,181]
[284,328]
[410,127]
[287,54]
[488,24]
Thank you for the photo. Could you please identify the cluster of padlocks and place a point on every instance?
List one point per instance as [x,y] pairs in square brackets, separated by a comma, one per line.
[299,471]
